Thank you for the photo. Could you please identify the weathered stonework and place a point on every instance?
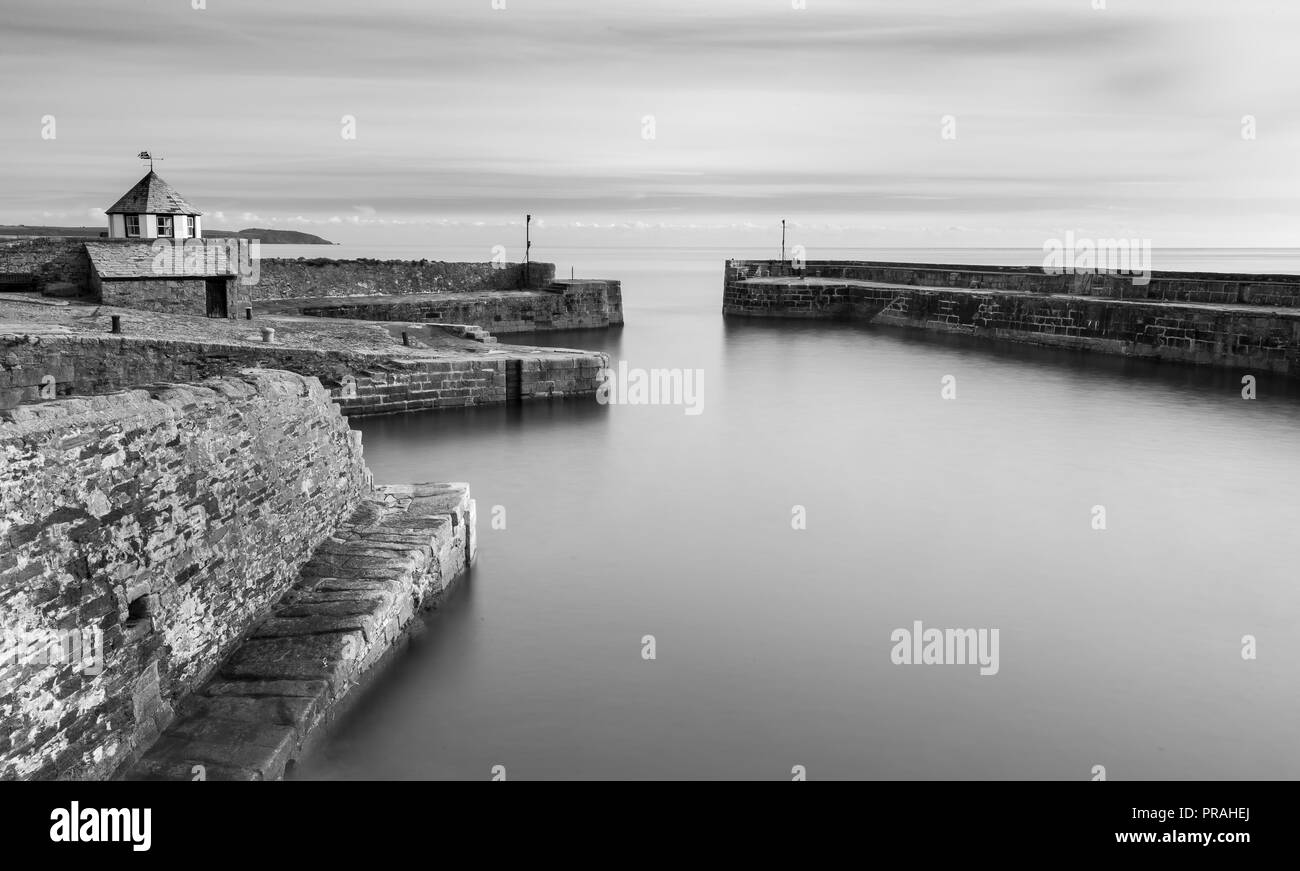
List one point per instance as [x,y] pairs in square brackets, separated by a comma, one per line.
[399,552]
[170,519]
[191,495]
[1247,336]
[413,386]
[569,305]
[1191,287]
[186,296]
[48,260]
[503,298]
[284,278]
[51,259]
[44,364]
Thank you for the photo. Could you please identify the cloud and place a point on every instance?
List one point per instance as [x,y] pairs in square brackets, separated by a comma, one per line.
[830,114]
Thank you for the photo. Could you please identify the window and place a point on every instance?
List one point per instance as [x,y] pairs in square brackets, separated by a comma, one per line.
[133,225]
[164,226]
[189,226]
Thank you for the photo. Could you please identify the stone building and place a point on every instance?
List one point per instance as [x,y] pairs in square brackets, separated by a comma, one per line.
[153,257]
[176,278]
[152,210]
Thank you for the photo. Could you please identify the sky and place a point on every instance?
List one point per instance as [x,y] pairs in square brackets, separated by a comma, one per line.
[921,123]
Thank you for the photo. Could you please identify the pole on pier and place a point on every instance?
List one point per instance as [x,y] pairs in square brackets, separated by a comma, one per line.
[783,240]
[117,323]
[528,246]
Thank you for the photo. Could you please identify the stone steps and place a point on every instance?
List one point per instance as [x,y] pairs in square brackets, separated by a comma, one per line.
[467,331]
[399,552]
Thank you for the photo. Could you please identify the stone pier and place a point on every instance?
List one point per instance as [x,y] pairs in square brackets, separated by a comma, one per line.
[197,574]
[399,552]
[1249,322]
[52,351]
[222,562]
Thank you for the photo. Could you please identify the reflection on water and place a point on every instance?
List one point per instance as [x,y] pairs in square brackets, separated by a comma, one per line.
[1118,647]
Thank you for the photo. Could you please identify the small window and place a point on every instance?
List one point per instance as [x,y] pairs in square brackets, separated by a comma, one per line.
[164,226]
[133,225]
[189,226]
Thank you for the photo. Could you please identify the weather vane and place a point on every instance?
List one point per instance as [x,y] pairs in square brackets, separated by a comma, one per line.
[144,155]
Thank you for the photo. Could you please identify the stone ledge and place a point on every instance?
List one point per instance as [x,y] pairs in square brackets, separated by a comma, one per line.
[400,551]
[39,369]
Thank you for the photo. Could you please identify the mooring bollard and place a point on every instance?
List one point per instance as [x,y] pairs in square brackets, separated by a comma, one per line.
[406,340]
[117,323]
[268,334]
[248,313]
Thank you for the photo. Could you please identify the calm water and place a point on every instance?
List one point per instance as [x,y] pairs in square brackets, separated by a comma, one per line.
[1118,647]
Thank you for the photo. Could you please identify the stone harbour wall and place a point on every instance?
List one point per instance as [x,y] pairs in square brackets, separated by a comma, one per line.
[48,364]
[573,304]
[1206,287]
[1242,336]
[283,278]
[38,366]
[301,667]
[492,380]
[493,296]
[48,259]
[167,521]
[52,259]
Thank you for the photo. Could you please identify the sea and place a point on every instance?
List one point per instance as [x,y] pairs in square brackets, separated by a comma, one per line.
[738,591]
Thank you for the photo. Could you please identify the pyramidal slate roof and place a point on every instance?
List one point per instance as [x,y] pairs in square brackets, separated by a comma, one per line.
[152,196]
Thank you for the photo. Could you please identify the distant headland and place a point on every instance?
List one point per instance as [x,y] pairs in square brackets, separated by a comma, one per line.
[268,237]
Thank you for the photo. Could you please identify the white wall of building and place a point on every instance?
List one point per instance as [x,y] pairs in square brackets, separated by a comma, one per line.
[149,227]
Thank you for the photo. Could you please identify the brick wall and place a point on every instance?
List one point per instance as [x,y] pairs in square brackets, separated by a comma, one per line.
[193,505]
